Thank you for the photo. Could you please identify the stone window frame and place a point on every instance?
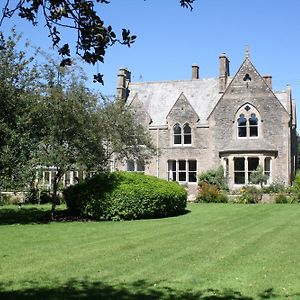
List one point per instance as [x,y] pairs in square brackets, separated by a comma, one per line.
[264,160]
[135,165]
[180,135]
[248,111]
[183,170]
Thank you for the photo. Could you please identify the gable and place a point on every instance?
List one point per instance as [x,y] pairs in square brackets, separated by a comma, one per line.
[182,111]
[248,86]
[140,112]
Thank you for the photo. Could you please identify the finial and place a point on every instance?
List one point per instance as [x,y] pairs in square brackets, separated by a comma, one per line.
[247,54]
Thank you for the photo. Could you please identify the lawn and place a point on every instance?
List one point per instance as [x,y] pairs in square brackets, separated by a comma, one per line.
[216,251]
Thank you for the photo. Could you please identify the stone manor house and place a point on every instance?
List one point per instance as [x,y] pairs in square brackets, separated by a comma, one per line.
[235,121]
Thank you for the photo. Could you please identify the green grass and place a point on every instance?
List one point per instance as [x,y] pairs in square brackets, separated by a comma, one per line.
[214,252]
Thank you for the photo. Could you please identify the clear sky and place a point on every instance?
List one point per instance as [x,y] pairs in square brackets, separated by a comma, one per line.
[170,39]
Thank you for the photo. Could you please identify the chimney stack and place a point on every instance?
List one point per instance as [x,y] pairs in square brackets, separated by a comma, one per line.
[124,77]
[195,72]
[268,80]
[224,72]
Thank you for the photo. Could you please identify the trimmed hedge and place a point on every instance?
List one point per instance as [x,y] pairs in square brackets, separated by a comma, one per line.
[126,196]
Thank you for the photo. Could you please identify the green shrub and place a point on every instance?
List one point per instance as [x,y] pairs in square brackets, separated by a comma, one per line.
[212,184]
[250,195]
[214,177]
[126,196]
[281,198]
[210,194]
[275,188]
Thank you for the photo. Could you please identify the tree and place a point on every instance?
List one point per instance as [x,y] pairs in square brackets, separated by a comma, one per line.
[18,131]
[93,37]
[258,176]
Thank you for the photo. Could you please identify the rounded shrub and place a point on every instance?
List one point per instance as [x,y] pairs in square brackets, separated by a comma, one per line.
[126,196]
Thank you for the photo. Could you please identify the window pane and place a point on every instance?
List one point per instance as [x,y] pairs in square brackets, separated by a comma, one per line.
[172,170]
[253,131]
[130,165]
[187,139]
[267,164]
[192,177]
[192,165]
[177,129]
[253,163]
[253,120]
[177,139]
[242,131]
[182,176]
[182,165]
[239,164]
[187,129]
[140,166]
[239,177]
[242,120]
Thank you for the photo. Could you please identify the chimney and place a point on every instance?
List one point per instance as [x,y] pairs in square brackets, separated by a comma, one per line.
[268,80]
[224,72]
[195,72]
[124,77]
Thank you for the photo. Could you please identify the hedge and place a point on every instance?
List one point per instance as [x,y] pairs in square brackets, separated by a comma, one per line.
[126,196]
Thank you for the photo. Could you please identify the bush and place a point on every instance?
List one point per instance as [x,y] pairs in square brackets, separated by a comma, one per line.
[210,193]
[275,188]
[214,177]
[211,185]
[281,198]
[126,196]
[250,195]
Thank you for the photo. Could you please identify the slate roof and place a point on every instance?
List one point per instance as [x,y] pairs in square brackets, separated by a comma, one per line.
[248,145]
[203,94]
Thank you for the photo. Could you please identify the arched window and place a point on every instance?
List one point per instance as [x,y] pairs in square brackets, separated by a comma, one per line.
[187,134]
[242,126]
[247,119]
[253,125]
[177,134]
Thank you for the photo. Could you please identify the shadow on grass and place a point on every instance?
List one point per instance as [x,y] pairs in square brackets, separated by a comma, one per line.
[139,290]
[24,215]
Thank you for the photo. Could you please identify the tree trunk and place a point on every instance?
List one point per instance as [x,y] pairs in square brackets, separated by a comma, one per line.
[56,181]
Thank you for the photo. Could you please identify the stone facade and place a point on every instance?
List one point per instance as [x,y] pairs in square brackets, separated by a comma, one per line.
[238,122]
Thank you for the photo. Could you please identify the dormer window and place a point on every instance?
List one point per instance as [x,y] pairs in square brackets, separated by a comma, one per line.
[187,134]
[182,136]
[177,134]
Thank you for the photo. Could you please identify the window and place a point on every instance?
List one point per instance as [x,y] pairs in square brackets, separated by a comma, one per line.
[182,170]
[253,163]
[182,136]
[187,134]
[242,126]
[239,170]
[247,122]
[253,125]
[177,134]
[268,168]
[135,165]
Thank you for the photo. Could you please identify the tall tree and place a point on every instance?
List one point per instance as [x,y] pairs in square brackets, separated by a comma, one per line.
[81,16]
[18,131]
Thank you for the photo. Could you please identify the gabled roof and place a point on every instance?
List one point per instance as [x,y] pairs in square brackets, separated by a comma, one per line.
[159,97]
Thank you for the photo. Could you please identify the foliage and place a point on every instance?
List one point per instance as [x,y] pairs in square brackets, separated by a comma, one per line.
[258,176]
[81,16]
[275,188]
[282,198]
[214,177]
[126,196]
[250,195]
[295,188]
[18,129]
[210,193]
[212,184]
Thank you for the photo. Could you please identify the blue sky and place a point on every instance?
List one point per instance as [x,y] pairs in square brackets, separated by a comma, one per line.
[171,39]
